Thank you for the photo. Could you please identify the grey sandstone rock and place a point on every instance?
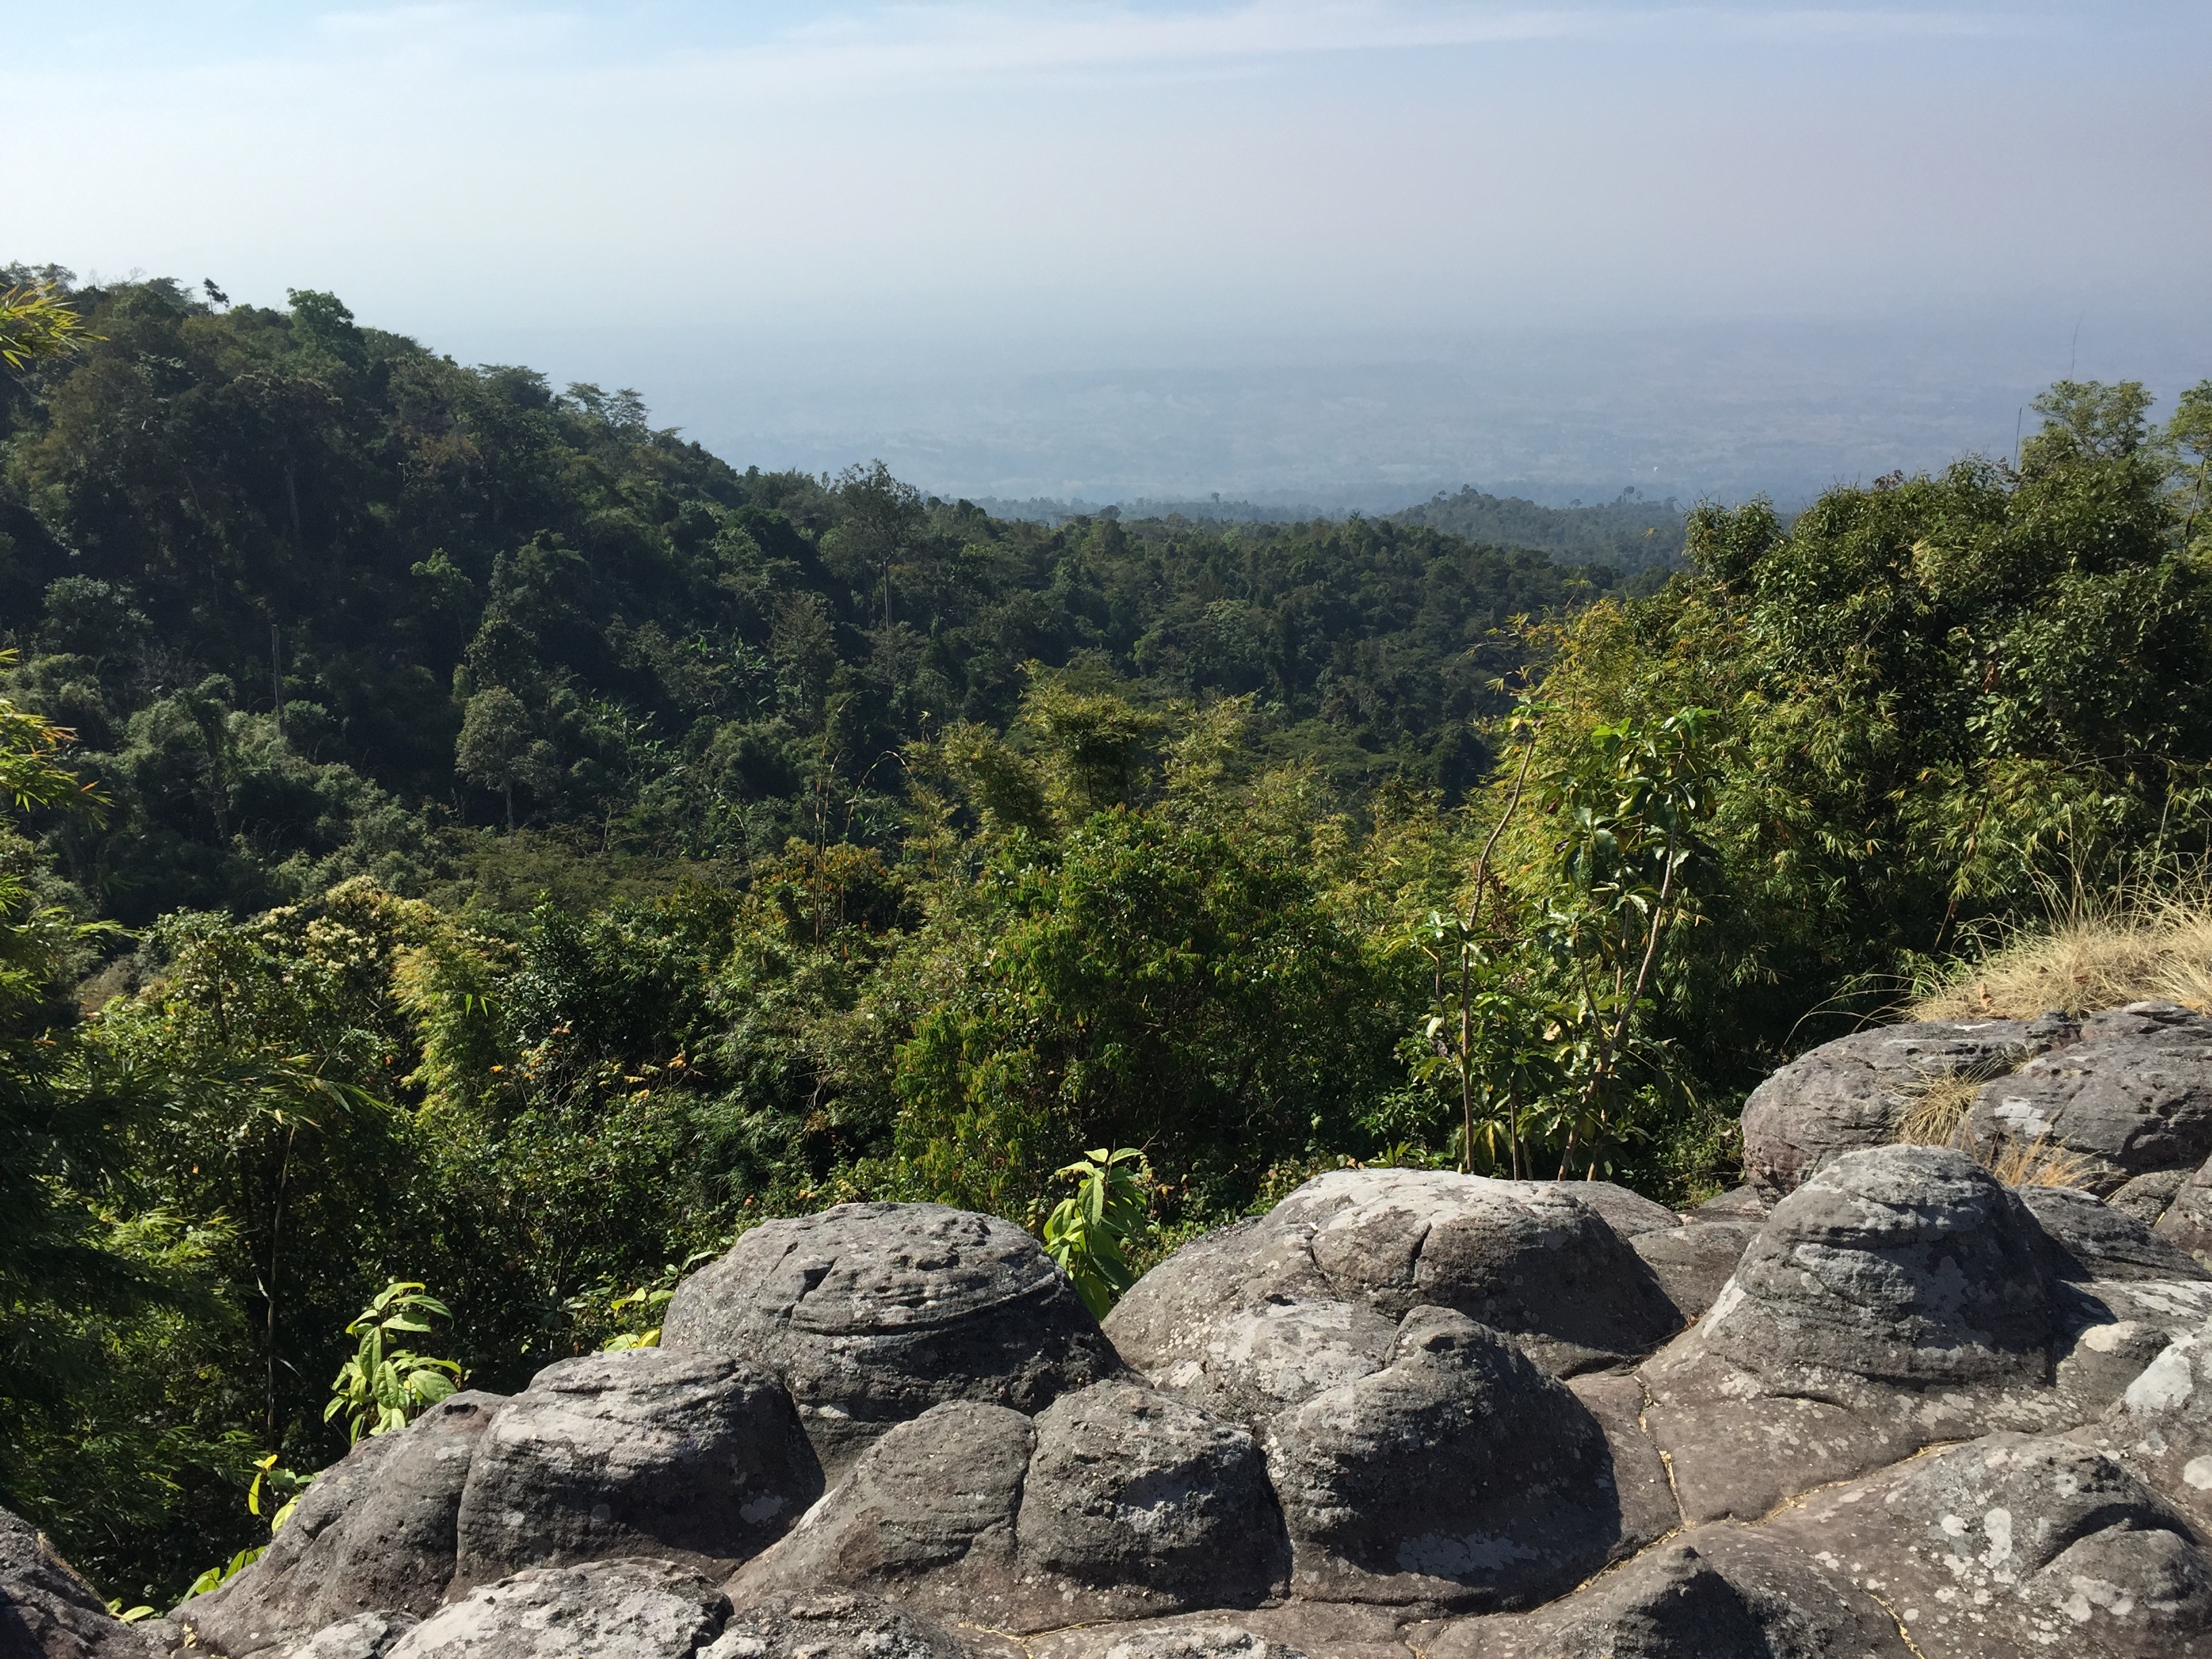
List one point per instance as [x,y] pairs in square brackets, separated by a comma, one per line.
[1898,1299]
[1295,1630]
[1250,1363]
[1165,1318]
[831,1626]
[2133,1096]
[2148,1197]
[47,1612]
[1457,1476]
[364,1636]
[1628,1214]
[873,1313]
[1743,1203]
[646,1451]
[2160,1428]
[1692,1263]
[1531,1259]
[1201,1635]
[376,1533]
[2016,1544]
[1119,1502]
[1152,1503]
[1717,1593]
[1849,1095]
[1908,1263]
[925,1517]
[1199,1642]
[2092,1239]
[2186,1223]
[1640,1481]
[634,1608]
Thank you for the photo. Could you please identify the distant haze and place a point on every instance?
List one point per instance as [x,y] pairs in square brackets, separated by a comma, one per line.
[1317,250]
[1786,407]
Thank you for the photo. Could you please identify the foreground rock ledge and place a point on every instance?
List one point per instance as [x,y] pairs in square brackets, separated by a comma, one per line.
[1924,1413]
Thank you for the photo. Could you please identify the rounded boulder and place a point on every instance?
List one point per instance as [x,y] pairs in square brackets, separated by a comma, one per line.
[693,1456]
[1459,1475]
[1132,1491]
[1849,1095]
[1530,1258]
[1906,1264]
[871,1314]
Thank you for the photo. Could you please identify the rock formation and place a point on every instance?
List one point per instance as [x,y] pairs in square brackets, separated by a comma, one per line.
[1876,1403]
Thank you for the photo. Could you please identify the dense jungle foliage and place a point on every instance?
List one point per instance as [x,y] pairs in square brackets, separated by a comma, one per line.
[466,836]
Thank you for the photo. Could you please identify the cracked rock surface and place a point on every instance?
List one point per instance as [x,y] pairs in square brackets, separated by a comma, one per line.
[2014,1544]
[2130,1096]
[1899,1298]
[1530,1258]
[1849,1095]
[870,1314]
[644,1451]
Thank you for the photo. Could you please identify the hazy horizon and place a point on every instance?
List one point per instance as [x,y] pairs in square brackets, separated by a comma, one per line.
[1783,408]
[1324,251]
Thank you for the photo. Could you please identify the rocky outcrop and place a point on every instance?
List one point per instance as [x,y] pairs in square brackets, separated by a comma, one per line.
[926,1514]
[1249,1364]
[2149,1197]
[364,1636]
[685,1456]
[376,1533]
[2186,1221]
[1117,1501]
[1531,1259]
[1692,1263]
[1152,1504]
[2131,1096]
[871,1314]
[46,1610]
[1849,1095]
[632,1608]
[1406,1415]
[2016,1544]
[1457,1475]
[829,1627]
[1715,1593]
[2089,1240]
[2160,1429]
[1899,1298]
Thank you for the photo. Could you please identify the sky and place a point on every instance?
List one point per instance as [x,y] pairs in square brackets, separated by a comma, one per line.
[1340,252]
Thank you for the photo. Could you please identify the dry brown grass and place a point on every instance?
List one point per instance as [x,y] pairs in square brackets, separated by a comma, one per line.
[2149,943]
[2039,1163]
[1937,1110]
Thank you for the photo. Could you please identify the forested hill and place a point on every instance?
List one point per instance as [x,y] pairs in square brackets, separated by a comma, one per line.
[1628,533]
[312,595]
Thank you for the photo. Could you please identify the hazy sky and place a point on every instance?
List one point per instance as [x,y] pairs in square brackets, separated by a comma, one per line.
[846,205]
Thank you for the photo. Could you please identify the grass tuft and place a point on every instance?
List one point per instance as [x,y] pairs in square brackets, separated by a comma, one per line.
[2151,941]
[2039,1164]
[1937,1110]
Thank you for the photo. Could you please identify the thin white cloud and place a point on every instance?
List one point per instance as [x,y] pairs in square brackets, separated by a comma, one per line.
[963,39]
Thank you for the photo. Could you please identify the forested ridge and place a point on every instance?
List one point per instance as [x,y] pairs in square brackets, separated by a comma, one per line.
[227,522]
[466,836]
